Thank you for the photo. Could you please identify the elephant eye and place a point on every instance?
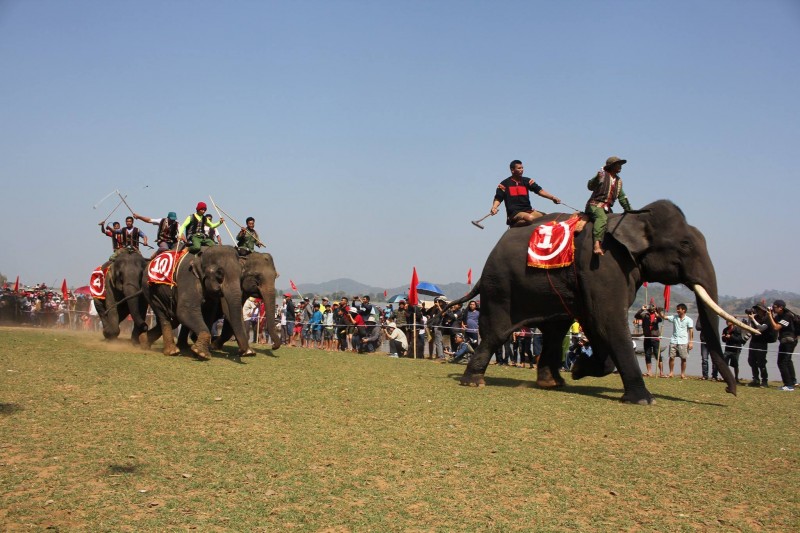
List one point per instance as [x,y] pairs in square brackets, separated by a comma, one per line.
[686,246]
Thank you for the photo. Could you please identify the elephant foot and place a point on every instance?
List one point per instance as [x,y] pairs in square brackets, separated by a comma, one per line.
[546,380]
[248,353]
[144,340]
[200,348]
[276,346]
[641,398]
[171,351]
[473,380]
[216,346]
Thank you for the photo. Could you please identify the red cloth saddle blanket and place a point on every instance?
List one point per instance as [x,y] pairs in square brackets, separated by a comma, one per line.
[161,269]
[97,282]
[552,245]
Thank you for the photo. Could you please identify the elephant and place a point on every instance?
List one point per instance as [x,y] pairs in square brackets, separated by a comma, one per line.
[124,297]
[258,279]
[654,244]
[203,283]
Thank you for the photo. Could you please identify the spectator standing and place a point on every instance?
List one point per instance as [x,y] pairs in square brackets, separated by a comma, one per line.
[306,311]
[290,315]
[651,330]
[782,320]
[469,323]
[315,325]
[524,345]
[682,340]
[328,323]
[734,340]
[757,356]
[704,353]
[435,322]
[341,320]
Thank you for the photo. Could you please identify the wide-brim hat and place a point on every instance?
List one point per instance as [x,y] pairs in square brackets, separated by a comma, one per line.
[614,159]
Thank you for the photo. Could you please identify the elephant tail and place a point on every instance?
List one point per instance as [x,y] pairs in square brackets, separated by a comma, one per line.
[134,295]
[476,289]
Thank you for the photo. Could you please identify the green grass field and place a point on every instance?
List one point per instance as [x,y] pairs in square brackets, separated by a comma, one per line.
[100,436]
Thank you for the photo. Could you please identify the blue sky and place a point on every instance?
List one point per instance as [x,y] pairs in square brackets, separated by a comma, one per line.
[364,136]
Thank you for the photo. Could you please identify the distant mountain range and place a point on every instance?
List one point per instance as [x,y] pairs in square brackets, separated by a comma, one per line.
[733,304]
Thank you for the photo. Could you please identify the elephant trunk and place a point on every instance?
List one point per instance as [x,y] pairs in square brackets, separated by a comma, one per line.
[234,316]
[267,291]
[709,311]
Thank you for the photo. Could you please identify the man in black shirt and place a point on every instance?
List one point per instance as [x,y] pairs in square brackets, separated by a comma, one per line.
[514,191]
[783,323]
[652,341]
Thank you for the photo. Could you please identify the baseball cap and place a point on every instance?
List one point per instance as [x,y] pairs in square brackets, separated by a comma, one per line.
[172,215]
[779,303]
[614,159]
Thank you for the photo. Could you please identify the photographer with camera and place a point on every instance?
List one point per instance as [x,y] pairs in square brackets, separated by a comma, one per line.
[757,357]
[781,320]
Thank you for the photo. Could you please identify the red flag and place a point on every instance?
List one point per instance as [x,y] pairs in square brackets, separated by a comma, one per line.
[64,288]
[16,286]
[666,297]
[469,277]
[292,285]
[644,284]
[413,299]
[385,294]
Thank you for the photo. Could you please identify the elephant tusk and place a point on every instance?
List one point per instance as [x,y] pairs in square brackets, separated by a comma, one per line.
[703,295]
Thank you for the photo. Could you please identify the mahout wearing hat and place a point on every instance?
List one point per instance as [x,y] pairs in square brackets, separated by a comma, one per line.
[201,206]
[614,159]
[172,215]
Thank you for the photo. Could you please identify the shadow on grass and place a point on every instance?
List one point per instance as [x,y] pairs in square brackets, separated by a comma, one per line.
[594,391]
[8,409]
[122,469]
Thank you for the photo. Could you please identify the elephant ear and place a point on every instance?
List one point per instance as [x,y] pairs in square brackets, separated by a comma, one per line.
[630,230]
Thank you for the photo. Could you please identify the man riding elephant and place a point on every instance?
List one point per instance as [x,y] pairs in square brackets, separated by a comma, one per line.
[196,229]
[514,192]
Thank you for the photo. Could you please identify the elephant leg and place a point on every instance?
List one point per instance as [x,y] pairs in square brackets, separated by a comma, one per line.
[479,362]
[111,321]
[169,339]
[200,348]
[550,362]
[615,345]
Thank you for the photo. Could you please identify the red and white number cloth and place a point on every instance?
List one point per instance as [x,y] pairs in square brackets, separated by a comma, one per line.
[552,245]
[97,283]
[162,267]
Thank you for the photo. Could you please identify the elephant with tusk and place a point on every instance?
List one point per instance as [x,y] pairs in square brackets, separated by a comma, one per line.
[654,244]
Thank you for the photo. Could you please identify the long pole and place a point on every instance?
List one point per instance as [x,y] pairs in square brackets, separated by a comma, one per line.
[112,212]
[258,241]
[125,202]
[223,220]
[414,333]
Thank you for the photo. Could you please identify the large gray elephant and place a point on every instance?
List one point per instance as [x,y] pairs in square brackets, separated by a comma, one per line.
[123,297]
[258,280]
[654,244]
[203,284]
